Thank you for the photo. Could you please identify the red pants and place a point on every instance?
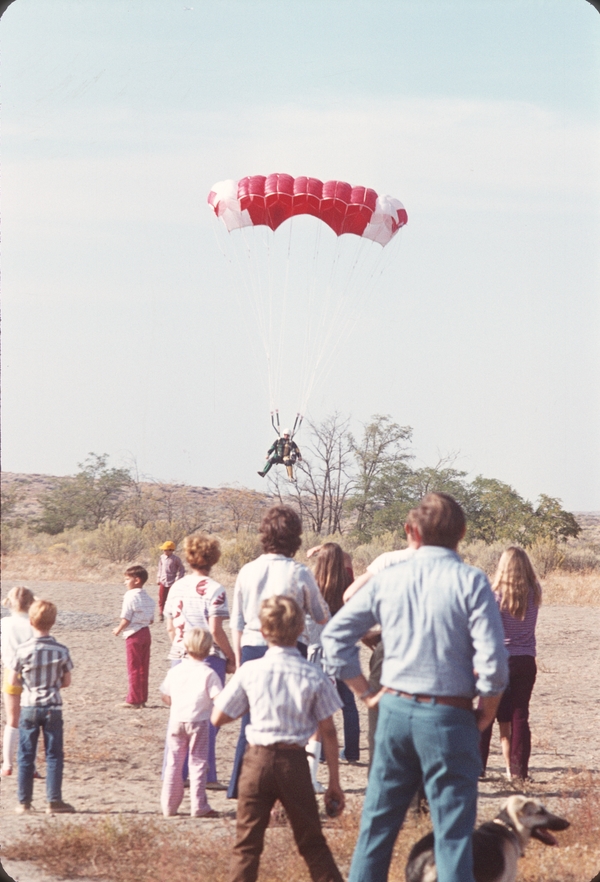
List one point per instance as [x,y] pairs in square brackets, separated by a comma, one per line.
[138,665]
[163,593]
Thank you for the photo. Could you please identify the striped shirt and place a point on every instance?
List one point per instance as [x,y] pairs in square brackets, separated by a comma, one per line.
[268,575]
[138,609]
[42,662]
[519,635]
[286,695]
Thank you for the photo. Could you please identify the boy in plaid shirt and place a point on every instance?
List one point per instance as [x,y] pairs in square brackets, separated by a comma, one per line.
[44,666]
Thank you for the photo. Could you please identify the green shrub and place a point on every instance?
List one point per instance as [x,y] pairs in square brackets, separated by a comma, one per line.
[483,555]
[239,551]
[117,542]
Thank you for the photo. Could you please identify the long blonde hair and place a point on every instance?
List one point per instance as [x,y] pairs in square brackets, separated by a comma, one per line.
[514,579]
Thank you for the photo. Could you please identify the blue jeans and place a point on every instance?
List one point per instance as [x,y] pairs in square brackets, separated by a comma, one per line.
[351,724]
[249,653]
[49,720]
[440,744]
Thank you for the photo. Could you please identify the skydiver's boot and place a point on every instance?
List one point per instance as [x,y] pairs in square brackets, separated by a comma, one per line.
[265,468]
[313,755]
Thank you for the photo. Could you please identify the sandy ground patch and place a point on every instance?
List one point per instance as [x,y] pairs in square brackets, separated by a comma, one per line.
[114,756]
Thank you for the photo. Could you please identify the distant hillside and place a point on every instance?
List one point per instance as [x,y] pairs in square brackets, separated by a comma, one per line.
[31,488]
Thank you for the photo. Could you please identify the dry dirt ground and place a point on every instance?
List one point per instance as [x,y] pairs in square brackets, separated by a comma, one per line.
[114,756]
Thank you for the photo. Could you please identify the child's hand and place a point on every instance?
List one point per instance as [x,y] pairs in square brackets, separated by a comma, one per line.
[116,631]
[230,667]
[334,801]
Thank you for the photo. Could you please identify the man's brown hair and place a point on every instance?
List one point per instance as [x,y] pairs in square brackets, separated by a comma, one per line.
[280,531]
[440,520]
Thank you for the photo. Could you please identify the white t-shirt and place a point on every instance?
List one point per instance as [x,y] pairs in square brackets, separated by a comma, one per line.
[16,629]
[269,575]
[192,601]
[138,609]
[389,559]
[192,686]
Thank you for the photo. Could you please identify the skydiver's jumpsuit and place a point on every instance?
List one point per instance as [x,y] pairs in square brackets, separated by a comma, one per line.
[285,452]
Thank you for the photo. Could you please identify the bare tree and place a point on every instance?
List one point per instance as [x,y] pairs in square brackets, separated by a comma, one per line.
[243,506]
[324,477]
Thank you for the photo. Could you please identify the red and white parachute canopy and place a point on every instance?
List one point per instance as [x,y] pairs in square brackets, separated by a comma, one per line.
[270,200]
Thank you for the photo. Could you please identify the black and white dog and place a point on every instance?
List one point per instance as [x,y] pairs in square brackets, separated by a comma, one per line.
[497,844]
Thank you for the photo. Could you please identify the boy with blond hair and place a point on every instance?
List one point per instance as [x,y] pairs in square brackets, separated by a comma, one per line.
[189,689]
[288,699]
[44,666]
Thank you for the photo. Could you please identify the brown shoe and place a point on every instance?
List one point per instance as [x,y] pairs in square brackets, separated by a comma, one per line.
[130,706]
[59,808]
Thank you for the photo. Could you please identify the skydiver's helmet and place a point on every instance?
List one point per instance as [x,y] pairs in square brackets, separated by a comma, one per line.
[285,432]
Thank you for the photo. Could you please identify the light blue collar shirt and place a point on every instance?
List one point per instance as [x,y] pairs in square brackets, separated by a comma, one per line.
[440,624]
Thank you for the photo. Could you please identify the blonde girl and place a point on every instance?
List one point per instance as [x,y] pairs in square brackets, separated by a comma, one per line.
[15,630]
[519,596]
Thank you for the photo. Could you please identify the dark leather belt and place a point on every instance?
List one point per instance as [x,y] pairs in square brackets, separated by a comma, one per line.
[450,700]
[280,745]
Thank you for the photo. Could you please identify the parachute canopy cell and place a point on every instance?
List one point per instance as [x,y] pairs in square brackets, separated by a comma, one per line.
[270,200]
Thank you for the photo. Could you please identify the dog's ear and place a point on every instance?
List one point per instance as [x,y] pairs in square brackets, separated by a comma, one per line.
[514,805]
[531,807]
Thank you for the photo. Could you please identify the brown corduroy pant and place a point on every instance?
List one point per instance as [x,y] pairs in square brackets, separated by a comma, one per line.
[269,774]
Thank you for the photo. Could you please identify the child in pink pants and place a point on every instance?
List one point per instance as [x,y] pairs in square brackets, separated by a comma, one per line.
[189,689]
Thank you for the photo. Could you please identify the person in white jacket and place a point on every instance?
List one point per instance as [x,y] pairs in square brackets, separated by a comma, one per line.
[16,629]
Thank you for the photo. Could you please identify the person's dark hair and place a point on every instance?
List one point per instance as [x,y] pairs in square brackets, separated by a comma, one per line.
[331,575]
[440,520]
[280,531]
[137,572]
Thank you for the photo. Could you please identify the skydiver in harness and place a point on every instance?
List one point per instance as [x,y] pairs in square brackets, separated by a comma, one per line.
[283,451]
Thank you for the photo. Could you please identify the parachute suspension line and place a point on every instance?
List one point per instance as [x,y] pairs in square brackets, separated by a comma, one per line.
[297,424]
[322,337]
[237,255]
[311,314]
[260,300]
[275,422]
[344,315]
[281,354]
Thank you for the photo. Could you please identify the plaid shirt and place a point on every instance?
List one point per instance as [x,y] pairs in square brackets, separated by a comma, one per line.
[42,663]
[169,570]
[286,695]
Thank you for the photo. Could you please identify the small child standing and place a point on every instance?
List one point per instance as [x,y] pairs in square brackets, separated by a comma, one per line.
[15,629]
[288,699]
[189,689]
[137,614]
[44,666]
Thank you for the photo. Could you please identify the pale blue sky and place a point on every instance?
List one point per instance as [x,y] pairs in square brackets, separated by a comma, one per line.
[120,330]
